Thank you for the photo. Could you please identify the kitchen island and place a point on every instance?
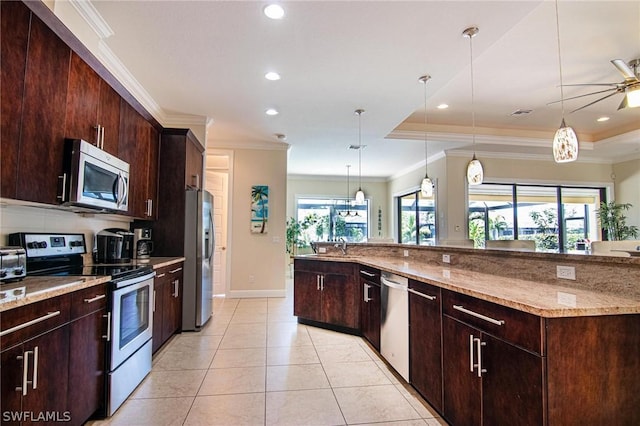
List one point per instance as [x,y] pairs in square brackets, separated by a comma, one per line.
[515,346]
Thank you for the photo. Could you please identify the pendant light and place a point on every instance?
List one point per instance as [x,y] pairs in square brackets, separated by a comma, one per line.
[347,213]
[475,172]
[360,192]
[565,141]
[426,187]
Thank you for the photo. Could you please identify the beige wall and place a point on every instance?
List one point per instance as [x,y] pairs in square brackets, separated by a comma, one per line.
[257,259]
[627,178]
[375,191]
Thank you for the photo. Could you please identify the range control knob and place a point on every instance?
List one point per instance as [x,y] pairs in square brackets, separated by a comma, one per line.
[32,245]
[18,271]
[42,244]
[3,273]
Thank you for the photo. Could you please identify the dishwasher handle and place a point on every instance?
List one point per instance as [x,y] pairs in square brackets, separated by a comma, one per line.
[393,284]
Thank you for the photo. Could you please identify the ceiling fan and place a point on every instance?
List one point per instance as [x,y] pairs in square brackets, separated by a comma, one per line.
[630,86]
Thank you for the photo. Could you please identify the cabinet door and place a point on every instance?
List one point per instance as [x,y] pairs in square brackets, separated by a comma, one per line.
[370,313]
[158,311]
[87,366]
[172,314]
[15,17]
[134,149]
[11,364]
[462,397]
[152,174]
[306,295]
[82,102]
[194,165]
[340,302]
[50,392]
[512,385]
[45,97]
[109,117]
[425,349]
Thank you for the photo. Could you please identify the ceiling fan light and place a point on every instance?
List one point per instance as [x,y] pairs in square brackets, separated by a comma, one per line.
[426,188]
[475,172]
[360,196]
[633,98]
[565,144]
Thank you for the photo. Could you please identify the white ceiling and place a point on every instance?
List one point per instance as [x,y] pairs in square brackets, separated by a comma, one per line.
[208,58]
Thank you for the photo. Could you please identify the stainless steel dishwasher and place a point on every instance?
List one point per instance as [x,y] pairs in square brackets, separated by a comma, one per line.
[394,322]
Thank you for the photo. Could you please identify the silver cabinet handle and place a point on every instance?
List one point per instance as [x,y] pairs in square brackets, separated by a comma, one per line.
[64,187]
[322,282]
[477,315]
[175,288]
[366,293]
[29,323]
[97,127]
[175,270]
[318,282]
[417,293]
[34,381]
[160,275]
[25,372]
[479,345]
[367,273]
[471,364]
[93,299]
[108,335]
[150,207]
[101,137]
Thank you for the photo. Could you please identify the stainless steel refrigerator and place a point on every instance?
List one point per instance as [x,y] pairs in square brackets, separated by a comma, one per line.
[199,244]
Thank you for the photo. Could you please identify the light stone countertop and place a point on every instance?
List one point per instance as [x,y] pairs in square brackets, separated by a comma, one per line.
[544,300]
[36,288]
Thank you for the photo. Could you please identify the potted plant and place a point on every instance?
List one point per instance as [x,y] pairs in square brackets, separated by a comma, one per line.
[613,221]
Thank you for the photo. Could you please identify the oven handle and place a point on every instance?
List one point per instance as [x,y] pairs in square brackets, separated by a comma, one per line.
[135,280]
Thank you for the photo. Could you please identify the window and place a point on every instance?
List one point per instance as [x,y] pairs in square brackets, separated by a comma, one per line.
[324,219]
[557,218]
[416,219]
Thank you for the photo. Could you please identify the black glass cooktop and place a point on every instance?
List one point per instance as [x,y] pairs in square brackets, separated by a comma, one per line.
[115,271]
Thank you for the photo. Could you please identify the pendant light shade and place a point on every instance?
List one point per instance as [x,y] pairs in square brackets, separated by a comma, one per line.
[565,144]
[360,193]
[565,141]
[426,186]
[475,172]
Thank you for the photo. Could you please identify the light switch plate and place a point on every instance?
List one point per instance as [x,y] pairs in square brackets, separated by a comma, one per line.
[446,258]
[566,272]
[406,253]
[322,249]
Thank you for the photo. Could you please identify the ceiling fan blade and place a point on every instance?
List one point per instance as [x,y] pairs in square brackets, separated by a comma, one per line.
[625,70]
[596,101]
[592,84]
[582,96]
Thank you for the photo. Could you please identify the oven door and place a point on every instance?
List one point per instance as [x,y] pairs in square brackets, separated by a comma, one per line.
[131,317]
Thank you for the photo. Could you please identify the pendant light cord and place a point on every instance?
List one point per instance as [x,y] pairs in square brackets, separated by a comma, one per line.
[359,150]
[473,104]
[426,152]
[560,61]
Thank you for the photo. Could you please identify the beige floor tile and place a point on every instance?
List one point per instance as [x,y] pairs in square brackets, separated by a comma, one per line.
[374,404]
[281,317]
[248,328]
[228,410]
[323,337]
[233,380]
[416,401]
[304,407]
[296,377]
[437,421]
[287,355]
[342,353]
[176,383]
[193,342]
[350,374]
[153,412]
[256,308]
[216,327]
[248,317]
[418,422]
[388,372]
[243,340]
[246,357]
[291,337]
[194,360]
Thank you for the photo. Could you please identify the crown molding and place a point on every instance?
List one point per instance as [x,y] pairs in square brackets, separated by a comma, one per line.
[269,146]
[180,120]
[520,156]
[92,17]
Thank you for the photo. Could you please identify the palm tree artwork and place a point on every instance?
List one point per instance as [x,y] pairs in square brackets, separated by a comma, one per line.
[259,209]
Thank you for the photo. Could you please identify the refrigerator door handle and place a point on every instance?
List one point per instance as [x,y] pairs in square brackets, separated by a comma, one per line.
[211,247]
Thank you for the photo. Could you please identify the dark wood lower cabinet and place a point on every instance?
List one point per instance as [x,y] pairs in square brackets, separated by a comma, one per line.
[167,310]
[370,305]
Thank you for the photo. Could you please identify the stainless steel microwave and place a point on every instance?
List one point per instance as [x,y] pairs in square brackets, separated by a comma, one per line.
[94,178]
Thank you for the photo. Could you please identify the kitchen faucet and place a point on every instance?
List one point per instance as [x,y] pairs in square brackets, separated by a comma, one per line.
[342,246]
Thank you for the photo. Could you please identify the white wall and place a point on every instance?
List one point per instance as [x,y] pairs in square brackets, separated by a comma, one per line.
[336,186]
[257,259]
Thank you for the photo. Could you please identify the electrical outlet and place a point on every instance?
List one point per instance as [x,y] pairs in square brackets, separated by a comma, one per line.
[322,249]
[406,253]
[446,258]
[567,299]
[252,278]
[566,272]
[446,273]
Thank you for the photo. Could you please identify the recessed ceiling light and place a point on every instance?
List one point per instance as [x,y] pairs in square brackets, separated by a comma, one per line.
[281,136]
[601,119]
[274,11]
[443,106]
[271,111]
[273,76]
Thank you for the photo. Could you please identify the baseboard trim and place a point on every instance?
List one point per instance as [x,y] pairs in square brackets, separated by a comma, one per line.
[245,294]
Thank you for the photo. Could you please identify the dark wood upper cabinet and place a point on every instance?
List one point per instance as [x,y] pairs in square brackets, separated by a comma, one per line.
[93,108]
[15,19]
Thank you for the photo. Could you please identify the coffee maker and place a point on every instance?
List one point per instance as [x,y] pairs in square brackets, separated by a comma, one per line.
[113,245]
[143,246]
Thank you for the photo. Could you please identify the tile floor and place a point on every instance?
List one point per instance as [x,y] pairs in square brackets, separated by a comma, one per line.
[253,364]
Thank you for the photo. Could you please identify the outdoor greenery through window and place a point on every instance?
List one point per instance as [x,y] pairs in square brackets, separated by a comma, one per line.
[417,219]
[327,219]
[557,218]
